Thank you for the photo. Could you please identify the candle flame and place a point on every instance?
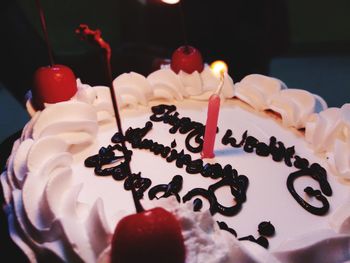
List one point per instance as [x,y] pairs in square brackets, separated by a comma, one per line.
[171,2]
[219,68]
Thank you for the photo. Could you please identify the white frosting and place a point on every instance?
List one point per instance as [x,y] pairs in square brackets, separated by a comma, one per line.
[56,204]
[197,86]
[166,85]
[132,89]
[294,106]
[266,93]
[256,89]
[204,241]
[99,97]
[329,132]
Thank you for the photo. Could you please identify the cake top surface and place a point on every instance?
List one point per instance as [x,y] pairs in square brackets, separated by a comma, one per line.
[279,160]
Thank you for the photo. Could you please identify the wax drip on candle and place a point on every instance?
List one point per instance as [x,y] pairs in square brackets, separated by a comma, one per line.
[94,36]
[221,84]
[218,67]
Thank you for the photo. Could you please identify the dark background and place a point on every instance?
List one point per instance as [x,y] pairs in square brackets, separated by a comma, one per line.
[244,33]
[248,34]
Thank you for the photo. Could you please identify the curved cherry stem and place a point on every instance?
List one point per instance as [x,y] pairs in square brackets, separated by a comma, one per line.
[183,24]
[94,36]
[44,29]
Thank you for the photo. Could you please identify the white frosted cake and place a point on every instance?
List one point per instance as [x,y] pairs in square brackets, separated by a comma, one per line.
[276,191]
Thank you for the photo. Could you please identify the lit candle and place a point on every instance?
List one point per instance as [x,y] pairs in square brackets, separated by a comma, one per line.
[218,67]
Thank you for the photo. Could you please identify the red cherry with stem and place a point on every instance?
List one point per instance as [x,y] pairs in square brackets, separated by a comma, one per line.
[53,84]
[187,59]
[152,236]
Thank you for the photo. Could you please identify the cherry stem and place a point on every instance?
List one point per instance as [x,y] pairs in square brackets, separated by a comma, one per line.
[187,49]
[95,36]
[137,202]
[183,24]
[44,28]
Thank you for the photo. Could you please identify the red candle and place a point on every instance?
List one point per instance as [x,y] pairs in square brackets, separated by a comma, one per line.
[211,126]
[219,68]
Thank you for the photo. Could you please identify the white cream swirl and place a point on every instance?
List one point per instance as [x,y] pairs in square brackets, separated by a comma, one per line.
[329,132]
[41,199]
[294,106]
[267,93]
[256,89]
[99,97]
[168,85]
[205,241]
[133,89]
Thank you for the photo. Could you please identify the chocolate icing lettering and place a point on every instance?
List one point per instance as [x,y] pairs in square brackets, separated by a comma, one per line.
[224,226]
[238,186]
[266,229]
[279,153]
[108,163]
[173,188]
[194,130]
[319,174]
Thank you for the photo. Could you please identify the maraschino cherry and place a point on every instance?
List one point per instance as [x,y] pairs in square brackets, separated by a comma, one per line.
[152,236]
[187,59]
[53,83]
